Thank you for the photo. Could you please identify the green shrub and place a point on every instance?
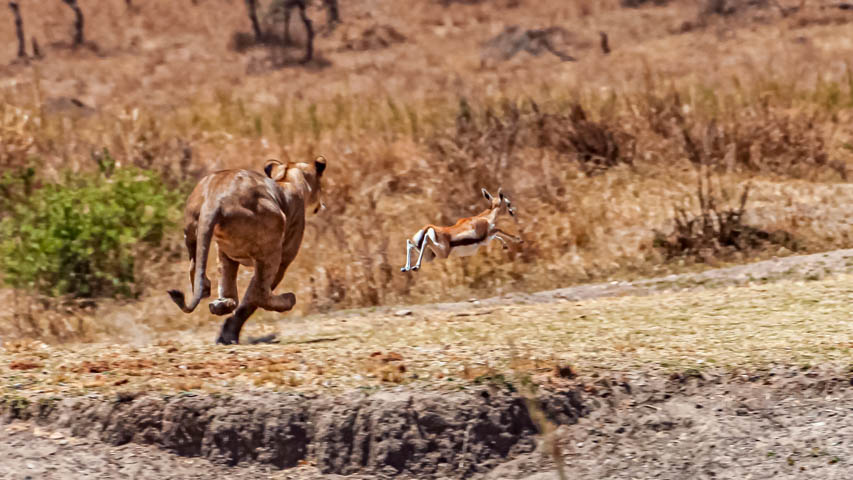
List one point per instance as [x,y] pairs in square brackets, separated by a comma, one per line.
[79,237]
[16,184]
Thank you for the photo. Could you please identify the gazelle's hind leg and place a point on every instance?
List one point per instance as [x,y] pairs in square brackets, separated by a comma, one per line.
[431,243]
[410,245]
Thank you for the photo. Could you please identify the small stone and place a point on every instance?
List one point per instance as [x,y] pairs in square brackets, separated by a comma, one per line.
[402,313]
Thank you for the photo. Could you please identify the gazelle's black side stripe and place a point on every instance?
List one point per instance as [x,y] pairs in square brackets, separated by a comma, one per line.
[462,242]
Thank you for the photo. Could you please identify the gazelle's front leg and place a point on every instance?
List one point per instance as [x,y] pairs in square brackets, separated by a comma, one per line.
[503,242]
[498,233]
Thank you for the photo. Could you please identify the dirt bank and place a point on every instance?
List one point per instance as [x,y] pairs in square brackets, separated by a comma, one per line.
[429,435]
[695,424]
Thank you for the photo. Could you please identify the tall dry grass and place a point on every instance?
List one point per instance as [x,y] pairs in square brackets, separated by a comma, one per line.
[596,155]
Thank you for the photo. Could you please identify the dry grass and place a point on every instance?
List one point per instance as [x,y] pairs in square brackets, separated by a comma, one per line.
[769,104]
[790,323]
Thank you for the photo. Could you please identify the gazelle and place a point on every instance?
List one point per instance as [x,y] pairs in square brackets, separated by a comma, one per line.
[464,238]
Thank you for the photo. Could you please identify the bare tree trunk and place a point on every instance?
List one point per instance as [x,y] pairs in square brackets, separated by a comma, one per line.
[252,7]
[309,31]
[334,14]
[36,49]
[78,22]
[605,44]
[287,9]
[19,30]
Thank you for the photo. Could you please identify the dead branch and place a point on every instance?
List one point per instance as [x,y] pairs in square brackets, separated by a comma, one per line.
[309,44]
[605,44]
[289,5]
[513,40]
[36,49]
[252,7]
[78,22]
[333,14]
[19,29]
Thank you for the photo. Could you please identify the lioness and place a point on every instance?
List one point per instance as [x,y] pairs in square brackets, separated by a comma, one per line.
[257,221]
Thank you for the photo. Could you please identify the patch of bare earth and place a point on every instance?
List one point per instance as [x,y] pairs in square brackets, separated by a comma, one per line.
[782,422]
[729,372]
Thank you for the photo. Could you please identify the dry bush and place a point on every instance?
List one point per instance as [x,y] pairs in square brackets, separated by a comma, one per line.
[640,3]
[756,139]
[731,7]
[537,41]
[716,231]
[374,37]
[493,3]
[596,146]
[486,145]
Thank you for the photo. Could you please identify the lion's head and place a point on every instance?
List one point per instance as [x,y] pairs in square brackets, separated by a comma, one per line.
[302,175]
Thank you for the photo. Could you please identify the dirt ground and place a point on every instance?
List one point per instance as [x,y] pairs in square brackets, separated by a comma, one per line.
[741,372]
[749,430]
[27,455]
[784,424]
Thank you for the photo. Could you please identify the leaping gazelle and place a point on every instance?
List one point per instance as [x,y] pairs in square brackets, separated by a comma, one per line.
[464,238]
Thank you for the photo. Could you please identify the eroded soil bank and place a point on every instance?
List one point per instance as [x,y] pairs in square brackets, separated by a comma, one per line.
[788,421]
[430,435]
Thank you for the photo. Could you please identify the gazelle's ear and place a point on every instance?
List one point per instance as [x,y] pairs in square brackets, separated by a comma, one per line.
[487,195]
[275,169]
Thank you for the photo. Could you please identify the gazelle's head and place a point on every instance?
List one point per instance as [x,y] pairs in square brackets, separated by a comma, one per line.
[501,203]
[305,175]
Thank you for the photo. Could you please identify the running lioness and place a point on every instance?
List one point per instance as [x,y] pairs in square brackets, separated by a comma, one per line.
[257,221]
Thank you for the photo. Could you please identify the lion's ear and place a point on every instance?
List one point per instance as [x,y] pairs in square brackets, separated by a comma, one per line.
[275,170]
[320,164]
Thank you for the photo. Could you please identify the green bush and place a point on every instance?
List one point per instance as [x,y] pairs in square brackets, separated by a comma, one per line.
[79,237]
[16,184]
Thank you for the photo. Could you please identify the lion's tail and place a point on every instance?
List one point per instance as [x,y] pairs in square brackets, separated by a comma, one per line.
[207,219]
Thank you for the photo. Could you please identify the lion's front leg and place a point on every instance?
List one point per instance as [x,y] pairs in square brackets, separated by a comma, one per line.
[285,301]
[280,303]
[269,274]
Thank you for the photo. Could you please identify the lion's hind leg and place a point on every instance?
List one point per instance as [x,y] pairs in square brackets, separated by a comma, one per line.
[228,296]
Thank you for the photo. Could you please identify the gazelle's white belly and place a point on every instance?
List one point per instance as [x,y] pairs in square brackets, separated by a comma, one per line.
[466,250]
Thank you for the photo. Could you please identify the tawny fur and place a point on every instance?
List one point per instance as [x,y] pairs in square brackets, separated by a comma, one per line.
[257,221]
[463,238]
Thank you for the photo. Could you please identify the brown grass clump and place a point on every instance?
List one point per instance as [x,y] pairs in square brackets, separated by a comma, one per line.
[717,230]
[760,140]
[486,145]
[596,146]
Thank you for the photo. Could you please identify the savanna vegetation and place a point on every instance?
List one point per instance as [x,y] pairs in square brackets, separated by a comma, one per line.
[688,134]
